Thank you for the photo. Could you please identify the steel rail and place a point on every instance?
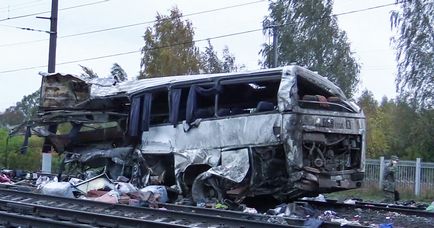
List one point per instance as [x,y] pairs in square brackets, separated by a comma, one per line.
[12,219]
[374,206]
[56,215]
[66,206]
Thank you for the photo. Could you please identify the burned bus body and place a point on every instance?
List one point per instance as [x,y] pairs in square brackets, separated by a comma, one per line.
[286,132]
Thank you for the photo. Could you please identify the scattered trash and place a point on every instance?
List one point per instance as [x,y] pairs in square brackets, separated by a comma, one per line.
[312,223]
[159,192]
[5,179]
[329,213]
[386,225]
[110,197]
[124,188]
[277,220]
[221,206]
[250,210]
[430,208]
[99,182]
[345,222]
[63,189]
[350,201]
[319,198]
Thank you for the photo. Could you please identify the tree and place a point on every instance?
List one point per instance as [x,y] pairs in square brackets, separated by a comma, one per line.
[118,73]
[308,34]
[414,44]
[88,72]
[210,62]
[229,63]
[169,47]
[29,104]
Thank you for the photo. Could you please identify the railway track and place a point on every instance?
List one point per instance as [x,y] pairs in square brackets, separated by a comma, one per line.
[19,208]
[374,206]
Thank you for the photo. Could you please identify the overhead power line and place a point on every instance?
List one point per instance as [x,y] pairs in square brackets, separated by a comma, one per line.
[24,28]
[66,8]
[369,8]
[25,4]
[134,51]
[185,15]
[132,25]
[167,46]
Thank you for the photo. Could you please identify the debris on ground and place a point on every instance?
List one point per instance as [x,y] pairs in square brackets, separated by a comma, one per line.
[430,207]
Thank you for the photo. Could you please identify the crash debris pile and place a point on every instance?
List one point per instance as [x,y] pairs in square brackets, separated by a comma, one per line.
[101,188]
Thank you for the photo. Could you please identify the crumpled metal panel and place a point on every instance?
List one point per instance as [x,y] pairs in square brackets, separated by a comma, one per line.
[185,158]
[286,86]
[236,131]
[63,91]
[99,182]
[235,165]
[89,154]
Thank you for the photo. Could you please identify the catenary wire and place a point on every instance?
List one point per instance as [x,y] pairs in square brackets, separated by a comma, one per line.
[185,15]
[166,46]
[42,12]
[23,4]
[133,25]
[134,51]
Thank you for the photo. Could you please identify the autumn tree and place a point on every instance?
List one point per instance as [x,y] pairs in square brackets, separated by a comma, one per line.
[413,24]
[210,62]
[88,72]
[118,73]
[169,47]
[308,35]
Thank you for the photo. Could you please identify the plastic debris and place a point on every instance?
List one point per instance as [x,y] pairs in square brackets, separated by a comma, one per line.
[221,206]
[250,210]
[386,225]
[110,197]
[350,201]
[313,223]
[99,182]
[329,213]
[159,193]
[124,188]
[430,207]
[345,222]
[320,198]
[5,179]
[63,189]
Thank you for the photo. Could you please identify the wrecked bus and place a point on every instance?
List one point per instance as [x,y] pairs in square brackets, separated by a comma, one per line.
[286,132]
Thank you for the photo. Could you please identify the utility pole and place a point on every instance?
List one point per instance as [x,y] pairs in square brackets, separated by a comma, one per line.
[46,149]
[53,36]
[275,40]
[275,51]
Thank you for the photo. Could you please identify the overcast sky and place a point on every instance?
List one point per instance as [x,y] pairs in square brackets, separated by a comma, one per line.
[368,32]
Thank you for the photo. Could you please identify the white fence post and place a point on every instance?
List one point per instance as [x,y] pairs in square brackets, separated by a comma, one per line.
[380,182]
[417,177]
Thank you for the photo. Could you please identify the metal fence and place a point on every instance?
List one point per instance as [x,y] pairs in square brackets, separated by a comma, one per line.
[411,176]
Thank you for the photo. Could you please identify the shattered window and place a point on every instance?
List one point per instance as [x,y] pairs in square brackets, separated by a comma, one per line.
[312,96]
[248,97]
[160,107]
[201,102]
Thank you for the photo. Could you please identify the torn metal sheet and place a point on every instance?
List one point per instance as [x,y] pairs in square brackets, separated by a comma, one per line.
[185,158]
[294,129]
[234,165]
[255,130]
[99,182]
[90,154]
